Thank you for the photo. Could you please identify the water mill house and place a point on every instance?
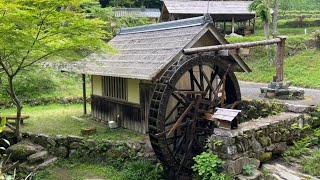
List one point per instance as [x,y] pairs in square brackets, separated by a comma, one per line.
[123,83]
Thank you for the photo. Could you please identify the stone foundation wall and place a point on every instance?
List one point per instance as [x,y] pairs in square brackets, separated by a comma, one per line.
[78,147]
[257,141]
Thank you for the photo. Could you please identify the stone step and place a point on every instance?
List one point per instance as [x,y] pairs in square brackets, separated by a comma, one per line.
[29,167]
[39,156]
[281,172]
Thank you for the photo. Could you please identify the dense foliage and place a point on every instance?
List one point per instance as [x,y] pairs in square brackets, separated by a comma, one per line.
[300,5]
[131,3]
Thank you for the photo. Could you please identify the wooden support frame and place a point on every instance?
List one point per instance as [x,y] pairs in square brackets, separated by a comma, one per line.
[234,48]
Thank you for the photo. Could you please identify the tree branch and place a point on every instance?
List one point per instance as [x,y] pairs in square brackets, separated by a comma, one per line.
[31,63]
[33,44]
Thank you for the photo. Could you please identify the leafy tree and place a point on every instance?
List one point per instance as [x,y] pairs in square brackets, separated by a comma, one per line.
[261,7]
[33,31]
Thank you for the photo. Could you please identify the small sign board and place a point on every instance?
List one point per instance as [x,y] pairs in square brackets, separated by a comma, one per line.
[225,118]
[226,114]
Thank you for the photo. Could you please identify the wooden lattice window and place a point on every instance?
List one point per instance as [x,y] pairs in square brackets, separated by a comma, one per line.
[115,87]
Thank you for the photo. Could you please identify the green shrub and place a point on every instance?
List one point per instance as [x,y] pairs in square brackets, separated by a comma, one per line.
[207,165]
[311,164]
[299,148]
[143,170]
[248,169]
[316,36]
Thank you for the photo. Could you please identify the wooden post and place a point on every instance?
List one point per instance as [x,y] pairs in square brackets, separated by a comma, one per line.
[254,25]
[280,58]
[224,27]
[84,94]
[232,25]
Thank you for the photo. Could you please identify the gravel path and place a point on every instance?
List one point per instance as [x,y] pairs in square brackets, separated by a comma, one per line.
[251,90]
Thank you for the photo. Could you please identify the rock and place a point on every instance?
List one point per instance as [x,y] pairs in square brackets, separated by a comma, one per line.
[51,142]
[90,143]
[61,140]
[47,163]
[41,139]
[270,148]
[39,156]
[236,166]
[264,141]
[275,137]
[88,131]
[297,108]
[75,138]
[21,151]
[266,156]
[73,154]
[75,145]
[256,146]
[256,175]
[26,167]
[134,145]
[279,148]
[61,151]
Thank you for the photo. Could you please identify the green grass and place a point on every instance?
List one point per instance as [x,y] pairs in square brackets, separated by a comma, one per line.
[301,69]
[75,170]
[56,119]
[66,170]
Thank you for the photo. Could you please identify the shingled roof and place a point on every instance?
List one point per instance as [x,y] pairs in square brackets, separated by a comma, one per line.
[215,7]
[144,51]
[137,12]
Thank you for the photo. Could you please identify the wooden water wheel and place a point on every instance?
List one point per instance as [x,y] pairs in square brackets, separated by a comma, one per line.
[186,91]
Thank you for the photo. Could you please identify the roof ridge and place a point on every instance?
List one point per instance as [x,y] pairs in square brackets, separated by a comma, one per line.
[196,21]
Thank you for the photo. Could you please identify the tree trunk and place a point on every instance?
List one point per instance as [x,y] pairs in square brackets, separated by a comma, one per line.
[18,105]
[266,29]
[275,19]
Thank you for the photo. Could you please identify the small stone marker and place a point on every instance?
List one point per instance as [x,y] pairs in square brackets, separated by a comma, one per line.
[88,131]
[226,118]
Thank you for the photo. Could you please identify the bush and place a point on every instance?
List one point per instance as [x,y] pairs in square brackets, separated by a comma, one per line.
[312,165]
[316,36]
[208,165]
[142,170]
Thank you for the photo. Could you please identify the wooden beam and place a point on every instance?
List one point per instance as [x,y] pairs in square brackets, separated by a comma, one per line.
[232,46]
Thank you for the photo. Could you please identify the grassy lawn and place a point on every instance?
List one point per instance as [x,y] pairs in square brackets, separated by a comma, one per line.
[301,70]
[76,170]
[56,119]
[66,170]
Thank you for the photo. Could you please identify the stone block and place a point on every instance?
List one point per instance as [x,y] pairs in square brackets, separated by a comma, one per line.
[275,137]
[256,175]
[235,166]
[264,141]
[39,156]
[75,138]
[76,145]
[279,148]
[21,151]
[266,156]
[61,151]
[297,108]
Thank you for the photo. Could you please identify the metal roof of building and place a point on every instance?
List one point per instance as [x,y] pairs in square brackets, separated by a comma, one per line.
[215,7]
[144,51]
[137,12]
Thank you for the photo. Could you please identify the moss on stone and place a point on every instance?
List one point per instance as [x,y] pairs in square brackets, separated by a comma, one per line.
[264,141]
[266,156]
